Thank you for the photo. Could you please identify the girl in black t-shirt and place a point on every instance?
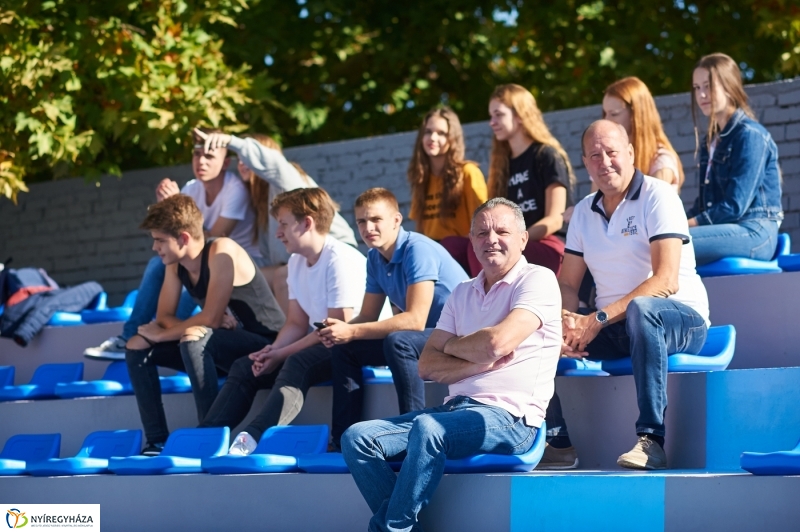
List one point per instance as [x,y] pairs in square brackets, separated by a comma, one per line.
[529,167]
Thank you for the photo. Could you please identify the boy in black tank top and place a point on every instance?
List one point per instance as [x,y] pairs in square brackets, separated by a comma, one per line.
[239,313]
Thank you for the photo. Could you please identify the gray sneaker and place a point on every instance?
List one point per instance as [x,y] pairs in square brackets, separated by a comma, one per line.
[243,445]
[111,349]
[558,459]
[646,454]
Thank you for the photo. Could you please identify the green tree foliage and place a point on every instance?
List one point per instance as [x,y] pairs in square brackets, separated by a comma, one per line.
[93,86]
[90,86]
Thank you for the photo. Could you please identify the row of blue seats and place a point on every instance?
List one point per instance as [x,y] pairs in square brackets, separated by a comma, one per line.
[293,448]
[64,381]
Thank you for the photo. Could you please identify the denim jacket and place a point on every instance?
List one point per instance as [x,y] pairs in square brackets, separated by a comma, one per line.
[744,182]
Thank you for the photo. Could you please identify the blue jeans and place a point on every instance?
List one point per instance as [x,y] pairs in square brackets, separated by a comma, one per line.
[461,427]
[147,299]
[400,351]
[655,328]
[752,239]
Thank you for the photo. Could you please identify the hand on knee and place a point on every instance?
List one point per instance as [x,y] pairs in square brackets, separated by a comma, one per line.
[193,334]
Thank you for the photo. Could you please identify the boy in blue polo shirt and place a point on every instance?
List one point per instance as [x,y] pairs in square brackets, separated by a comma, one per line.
[417,275]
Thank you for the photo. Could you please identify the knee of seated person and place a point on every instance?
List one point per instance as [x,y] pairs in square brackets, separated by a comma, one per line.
[241,368]
[136,343]
[640,308]
[354,438]
[393,340]
[426,427]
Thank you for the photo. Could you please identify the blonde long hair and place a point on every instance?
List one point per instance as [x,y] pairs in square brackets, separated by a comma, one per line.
[647,133]
[523,104]
[722,69]
[259,189]
[419,168]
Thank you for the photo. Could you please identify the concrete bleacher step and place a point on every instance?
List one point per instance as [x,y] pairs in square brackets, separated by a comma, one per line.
[711,419]
[665,501]
[764,310]
[58,344]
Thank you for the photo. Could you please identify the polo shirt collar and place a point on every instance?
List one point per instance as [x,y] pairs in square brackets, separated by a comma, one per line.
[634,190]
[508,278]
[402,238]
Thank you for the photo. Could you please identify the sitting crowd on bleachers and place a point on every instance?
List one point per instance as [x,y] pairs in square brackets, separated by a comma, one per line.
[258,278]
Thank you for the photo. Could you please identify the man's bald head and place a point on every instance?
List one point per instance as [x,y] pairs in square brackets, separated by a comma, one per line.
[602,127]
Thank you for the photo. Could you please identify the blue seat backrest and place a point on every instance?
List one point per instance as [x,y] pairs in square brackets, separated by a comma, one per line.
[130,299]
[48,375]
[108,443]
[117,371]
[7,375]
[784,246]
[100,302]
[294,440]
[197,443]
[32,447]
[717,340]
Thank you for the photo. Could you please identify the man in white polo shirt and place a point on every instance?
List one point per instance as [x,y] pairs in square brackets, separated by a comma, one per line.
[496,344]
[633,236]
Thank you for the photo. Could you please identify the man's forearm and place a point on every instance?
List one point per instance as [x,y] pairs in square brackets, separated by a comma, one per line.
[440,367]
[652,287]
[376,330]
[569,298]
[477,348]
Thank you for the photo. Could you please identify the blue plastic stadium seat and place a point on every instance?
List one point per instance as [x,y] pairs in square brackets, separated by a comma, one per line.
[6,376]
[43,383]
[778,463]
[789,263]
[115,381]
[716,355]
[183,453]
[377,375]
[480,463]
[277,451]
[105,315]
[68,319]
[23,450]
[178,383]
[93,457]
[743,266]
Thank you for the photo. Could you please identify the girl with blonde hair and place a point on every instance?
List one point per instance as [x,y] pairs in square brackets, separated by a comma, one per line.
[628,102]
[529,167]
[445,188]
[738,210]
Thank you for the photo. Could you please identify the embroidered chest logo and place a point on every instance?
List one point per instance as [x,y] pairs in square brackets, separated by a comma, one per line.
[631,229]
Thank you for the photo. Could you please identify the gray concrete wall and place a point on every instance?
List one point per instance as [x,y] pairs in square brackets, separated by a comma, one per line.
[79,231]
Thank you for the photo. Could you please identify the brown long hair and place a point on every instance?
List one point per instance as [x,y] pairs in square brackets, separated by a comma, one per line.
[647,133]
[259,189]
[523,104]
[419,168]
[722,69]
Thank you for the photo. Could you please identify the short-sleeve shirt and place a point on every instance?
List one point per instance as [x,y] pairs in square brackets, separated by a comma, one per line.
[529,175]
[233,203]
[416,258]
[336,280]
[617,250]
[524,386]
[434,223]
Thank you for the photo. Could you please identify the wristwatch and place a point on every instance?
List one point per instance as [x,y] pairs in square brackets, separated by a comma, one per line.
[601,317]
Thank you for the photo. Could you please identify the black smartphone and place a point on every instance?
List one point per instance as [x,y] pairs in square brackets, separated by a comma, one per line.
[319,325]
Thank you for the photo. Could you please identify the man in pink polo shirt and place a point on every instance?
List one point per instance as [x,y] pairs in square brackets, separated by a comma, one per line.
[497,345]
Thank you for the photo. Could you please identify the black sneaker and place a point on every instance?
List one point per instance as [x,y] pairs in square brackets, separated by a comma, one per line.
[153,449]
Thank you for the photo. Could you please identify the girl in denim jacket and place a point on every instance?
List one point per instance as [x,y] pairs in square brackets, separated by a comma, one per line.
[738,211]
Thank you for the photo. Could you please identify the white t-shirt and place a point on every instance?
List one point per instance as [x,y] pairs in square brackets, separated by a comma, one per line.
[617,251]
[233,203]
[337,280]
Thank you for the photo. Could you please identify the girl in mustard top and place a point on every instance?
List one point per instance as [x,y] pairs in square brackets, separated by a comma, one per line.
[445,188]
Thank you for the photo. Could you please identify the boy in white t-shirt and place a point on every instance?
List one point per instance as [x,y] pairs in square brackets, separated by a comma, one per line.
[327,278]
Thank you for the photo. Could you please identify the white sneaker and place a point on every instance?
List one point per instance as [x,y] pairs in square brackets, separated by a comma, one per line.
[243,445]
[111,349]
